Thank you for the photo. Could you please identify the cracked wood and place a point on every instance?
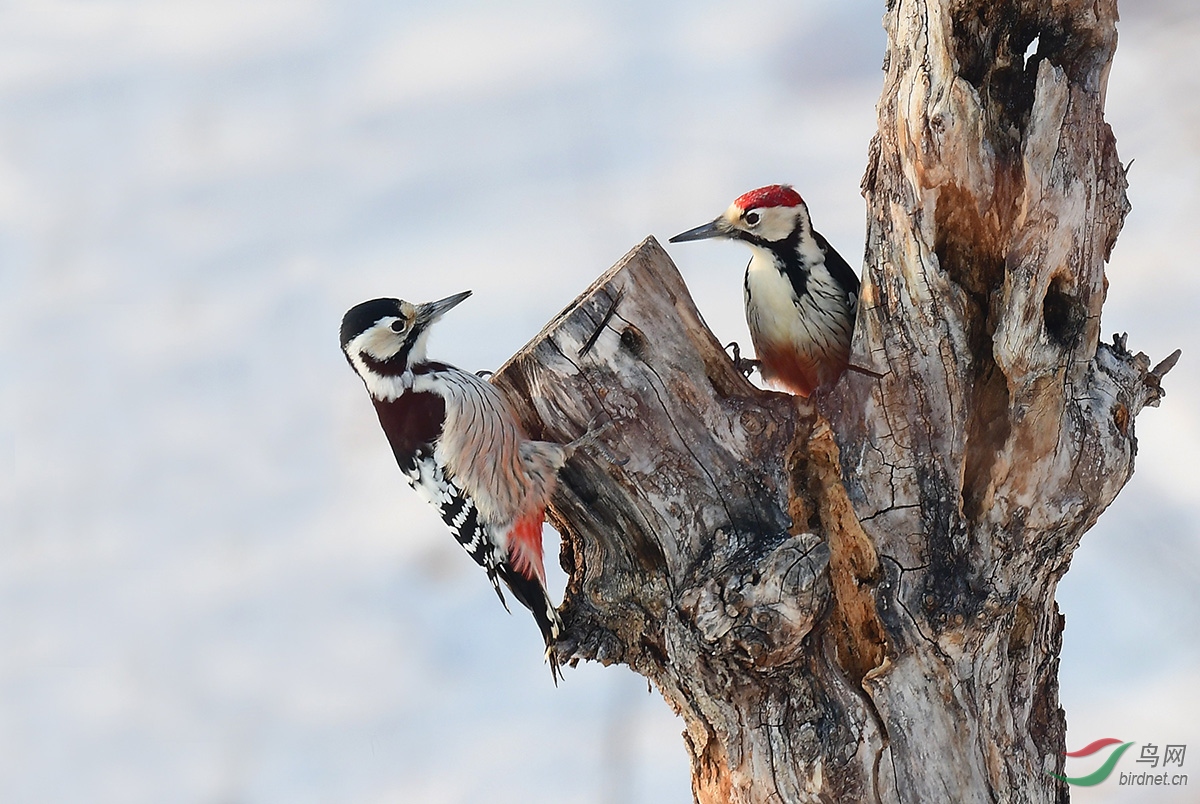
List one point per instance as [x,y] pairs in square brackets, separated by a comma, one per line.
[851,598]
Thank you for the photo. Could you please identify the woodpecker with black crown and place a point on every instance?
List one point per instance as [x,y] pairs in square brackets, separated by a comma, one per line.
[460,446]
[800,294]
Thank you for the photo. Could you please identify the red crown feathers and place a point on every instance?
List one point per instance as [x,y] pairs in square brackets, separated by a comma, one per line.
[773,195]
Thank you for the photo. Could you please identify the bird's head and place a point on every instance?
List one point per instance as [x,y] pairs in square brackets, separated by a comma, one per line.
[765,217]
[387,336]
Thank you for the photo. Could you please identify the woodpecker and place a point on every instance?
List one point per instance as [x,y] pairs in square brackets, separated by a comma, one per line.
[460,446]
[800,294]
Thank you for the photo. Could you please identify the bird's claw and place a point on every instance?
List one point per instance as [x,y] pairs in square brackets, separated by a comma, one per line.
[745,365]
[597,427]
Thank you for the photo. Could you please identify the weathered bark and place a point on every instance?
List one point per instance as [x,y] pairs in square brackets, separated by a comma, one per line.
[852,598]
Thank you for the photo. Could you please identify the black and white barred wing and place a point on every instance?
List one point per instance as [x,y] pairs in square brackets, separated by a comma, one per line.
[458,511]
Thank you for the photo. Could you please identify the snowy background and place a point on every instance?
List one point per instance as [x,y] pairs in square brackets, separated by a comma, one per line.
[214,585]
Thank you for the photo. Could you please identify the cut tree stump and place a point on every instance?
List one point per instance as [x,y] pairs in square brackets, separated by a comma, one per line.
[851,598]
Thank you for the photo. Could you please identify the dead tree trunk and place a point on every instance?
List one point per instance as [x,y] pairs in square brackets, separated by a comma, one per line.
[852,598]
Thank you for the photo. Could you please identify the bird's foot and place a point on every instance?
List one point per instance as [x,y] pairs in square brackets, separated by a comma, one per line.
[745,365]
[597,427]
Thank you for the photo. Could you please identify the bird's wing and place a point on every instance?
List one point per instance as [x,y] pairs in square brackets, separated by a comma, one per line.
[458,511]
[839,269]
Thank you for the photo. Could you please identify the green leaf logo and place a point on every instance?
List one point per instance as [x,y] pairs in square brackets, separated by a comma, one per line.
[1101,773]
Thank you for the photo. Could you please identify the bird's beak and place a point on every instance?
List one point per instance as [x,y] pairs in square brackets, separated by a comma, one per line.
[429,312]
[717,228]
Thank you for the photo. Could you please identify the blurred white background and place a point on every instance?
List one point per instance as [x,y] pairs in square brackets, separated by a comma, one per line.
[214,584]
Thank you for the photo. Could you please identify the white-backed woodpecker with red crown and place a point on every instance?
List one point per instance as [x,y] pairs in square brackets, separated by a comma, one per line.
[800,294]
[460,446]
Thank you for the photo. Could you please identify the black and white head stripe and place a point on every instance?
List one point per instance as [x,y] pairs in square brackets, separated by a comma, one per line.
[386,337]
[362,317]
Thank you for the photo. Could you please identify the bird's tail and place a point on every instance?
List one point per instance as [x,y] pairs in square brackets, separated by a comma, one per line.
[525,575]
[533,596]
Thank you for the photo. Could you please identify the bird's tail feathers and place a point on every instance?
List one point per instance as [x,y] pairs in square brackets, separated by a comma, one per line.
[533,595]
[493,573]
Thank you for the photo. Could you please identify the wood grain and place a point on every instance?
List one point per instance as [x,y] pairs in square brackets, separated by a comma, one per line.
[851,598]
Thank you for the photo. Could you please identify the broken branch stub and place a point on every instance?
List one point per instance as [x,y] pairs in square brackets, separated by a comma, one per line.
[691,471]
[708,537]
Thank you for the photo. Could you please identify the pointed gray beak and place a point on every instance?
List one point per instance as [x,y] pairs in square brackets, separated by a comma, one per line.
[429,312]
[717,228]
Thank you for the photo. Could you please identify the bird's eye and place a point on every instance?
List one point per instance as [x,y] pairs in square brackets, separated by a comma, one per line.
[398,325]
[752,218]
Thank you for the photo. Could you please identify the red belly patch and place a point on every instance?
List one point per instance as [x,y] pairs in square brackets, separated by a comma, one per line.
[796,372]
